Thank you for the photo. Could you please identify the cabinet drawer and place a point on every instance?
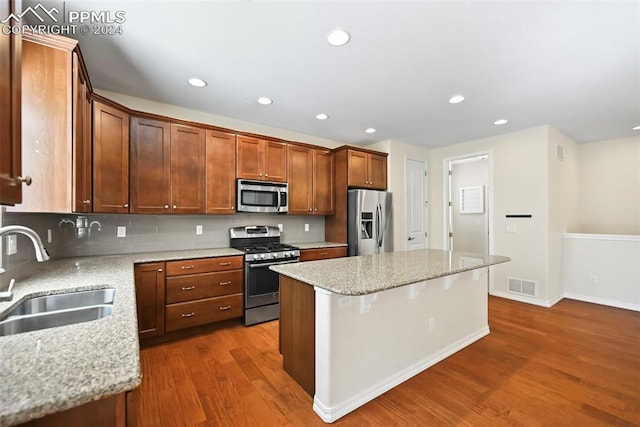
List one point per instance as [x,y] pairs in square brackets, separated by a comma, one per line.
[195,313]
[206,285]
[323,253]
[203,265]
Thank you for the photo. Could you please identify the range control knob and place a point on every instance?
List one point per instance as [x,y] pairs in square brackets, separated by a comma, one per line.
[263,256]
[256,256]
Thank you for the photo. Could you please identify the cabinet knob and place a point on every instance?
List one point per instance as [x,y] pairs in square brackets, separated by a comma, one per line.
[160,270]
[166,206]
[126,205]
[175,206]
[266,174]
[86,202]
[26,180]
[316,210]
[309,209]
[231,207]
[260,174]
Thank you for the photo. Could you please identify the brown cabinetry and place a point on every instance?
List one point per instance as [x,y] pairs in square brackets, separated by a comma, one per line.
[220,172]
[167,167]
[10,121]
[54,125]
[261,159]
[367,170]
[323,253]
[110,159]
[149,280]
[202,291]
[311,187]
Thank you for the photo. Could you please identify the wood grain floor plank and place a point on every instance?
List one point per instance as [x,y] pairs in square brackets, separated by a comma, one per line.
[575,364]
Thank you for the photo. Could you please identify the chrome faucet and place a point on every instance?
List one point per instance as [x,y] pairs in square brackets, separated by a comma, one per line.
[41,252]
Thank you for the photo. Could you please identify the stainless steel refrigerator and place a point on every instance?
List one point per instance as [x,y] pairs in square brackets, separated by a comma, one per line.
[369,222]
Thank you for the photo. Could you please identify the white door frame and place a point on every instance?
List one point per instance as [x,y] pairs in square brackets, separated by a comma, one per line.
[426,198]
[445,188]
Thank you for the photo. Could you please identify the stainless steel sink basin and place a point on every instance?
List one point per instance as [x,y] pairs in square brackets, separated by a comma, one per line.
[50,311]
[64,301]
[51,319]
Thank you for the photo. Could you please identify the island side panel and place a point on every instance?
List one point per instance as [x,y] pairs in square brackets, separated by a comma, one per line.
[297,331]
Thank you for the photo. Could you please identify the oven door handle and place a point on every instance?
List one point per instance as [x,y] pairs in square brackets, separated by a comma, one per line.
[268,264]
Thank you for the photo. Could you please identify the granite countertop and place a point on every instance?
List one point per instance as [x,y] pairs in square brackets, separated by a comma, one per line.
[319,245]
[55,369]
[362,275]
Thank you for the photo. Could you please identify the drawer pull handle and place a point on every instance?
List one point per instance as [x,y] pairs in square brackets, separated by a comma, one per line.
[188,267]
[226,307]
[225,263]
[324,253]
[188,288]
[188,314]
[225,283]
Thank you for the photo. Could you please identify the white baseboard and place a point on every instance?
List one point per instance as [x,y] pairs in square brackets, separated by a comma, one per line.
[603,301]
[528,300]
[331,414]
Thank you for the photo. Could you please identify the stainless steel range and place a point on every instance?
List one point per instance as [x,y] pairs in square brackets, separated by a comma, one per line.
[262,247]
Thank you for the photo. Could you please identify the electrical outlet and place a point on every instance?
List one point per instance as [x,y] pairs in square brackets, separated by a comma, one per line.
[49,236]
[12,244]
[121,231]
[280,227]
[306,227]
[199,230]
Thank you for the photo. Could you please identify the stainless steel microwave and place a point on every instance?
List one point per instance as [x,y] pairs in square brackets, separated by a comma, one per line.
[262,196]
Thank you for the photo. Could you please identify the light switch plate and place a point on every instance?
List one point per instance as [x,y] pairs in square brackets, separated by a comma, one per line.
[121,231]
[199,230]
[280,227]
[49,236]
[12,244]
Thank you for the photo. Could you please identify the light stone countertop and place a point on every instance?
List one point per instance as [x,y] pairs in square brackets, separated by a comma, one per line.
[51,370]
[318,245]
[367,274]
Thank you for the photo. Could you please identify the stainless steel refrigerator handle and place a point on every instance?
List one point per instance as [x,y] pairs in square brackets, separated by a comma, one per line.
[378,215]
[381,233]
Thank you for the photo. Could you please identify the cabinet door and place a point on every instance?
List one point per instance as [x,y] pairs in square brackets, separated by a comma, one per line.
[323,182]
[150,166]
[250,155]
[220,172]
[300,161]
[187,169]
[357,169]
[10,121]
[275,161]
[81,140]
[377,172]
[149,279]
[110,159]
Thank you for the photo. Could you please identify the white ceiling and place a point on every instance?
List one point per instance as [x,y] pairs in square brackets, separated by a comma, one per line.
[572,65]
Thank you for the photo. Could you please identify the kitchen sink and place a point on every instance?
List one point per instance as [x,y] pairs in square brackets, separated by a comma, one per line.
[64,301]
[50,311]
[51,319]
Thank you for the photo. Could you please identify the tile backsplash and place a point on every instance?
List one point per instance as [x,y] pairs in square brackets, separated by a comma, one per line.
[71,235]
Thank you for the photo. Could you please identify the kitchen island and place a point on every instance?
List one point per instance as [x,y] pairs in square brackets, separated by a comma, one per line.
[353,328]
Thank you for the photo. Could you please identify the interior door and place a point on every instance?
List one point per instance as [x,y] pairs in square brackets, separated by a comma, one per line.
[416,185]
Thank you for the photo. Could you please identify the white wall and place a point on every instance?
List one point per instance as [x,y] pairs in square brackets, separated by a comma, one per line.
[609,198]
[396,177]
[177,112]
[603,269]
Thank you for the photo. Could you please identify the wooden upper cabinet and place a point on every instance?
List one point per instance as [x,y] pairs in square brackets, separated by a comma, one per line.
[150,168]
[10,115]
[110,159]
[323,182]
[300,160]
[261,160]
[367,170]
[311,188]
[187,169]
[82,179]
[220,172]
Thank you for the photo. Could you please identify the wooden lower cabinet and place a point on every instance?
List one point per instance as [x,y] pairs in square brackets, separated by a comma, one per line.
[323,253]
[107,412]
[149,280]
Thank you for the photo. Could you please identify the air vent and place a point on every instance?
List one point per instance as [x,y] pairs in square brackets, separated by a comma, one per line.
[522,287]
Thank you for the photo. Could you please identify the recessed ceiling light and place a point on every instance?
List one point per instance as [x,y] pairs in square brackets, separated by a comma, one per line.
[456,99]
[265,101]
[636,128]
[338,37]
[370,130]
[194,81]
[500,122]
[322,116]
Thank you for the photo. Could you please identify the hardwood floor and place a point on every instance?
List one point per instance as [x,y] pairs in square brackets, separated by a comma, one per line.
[575,364]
